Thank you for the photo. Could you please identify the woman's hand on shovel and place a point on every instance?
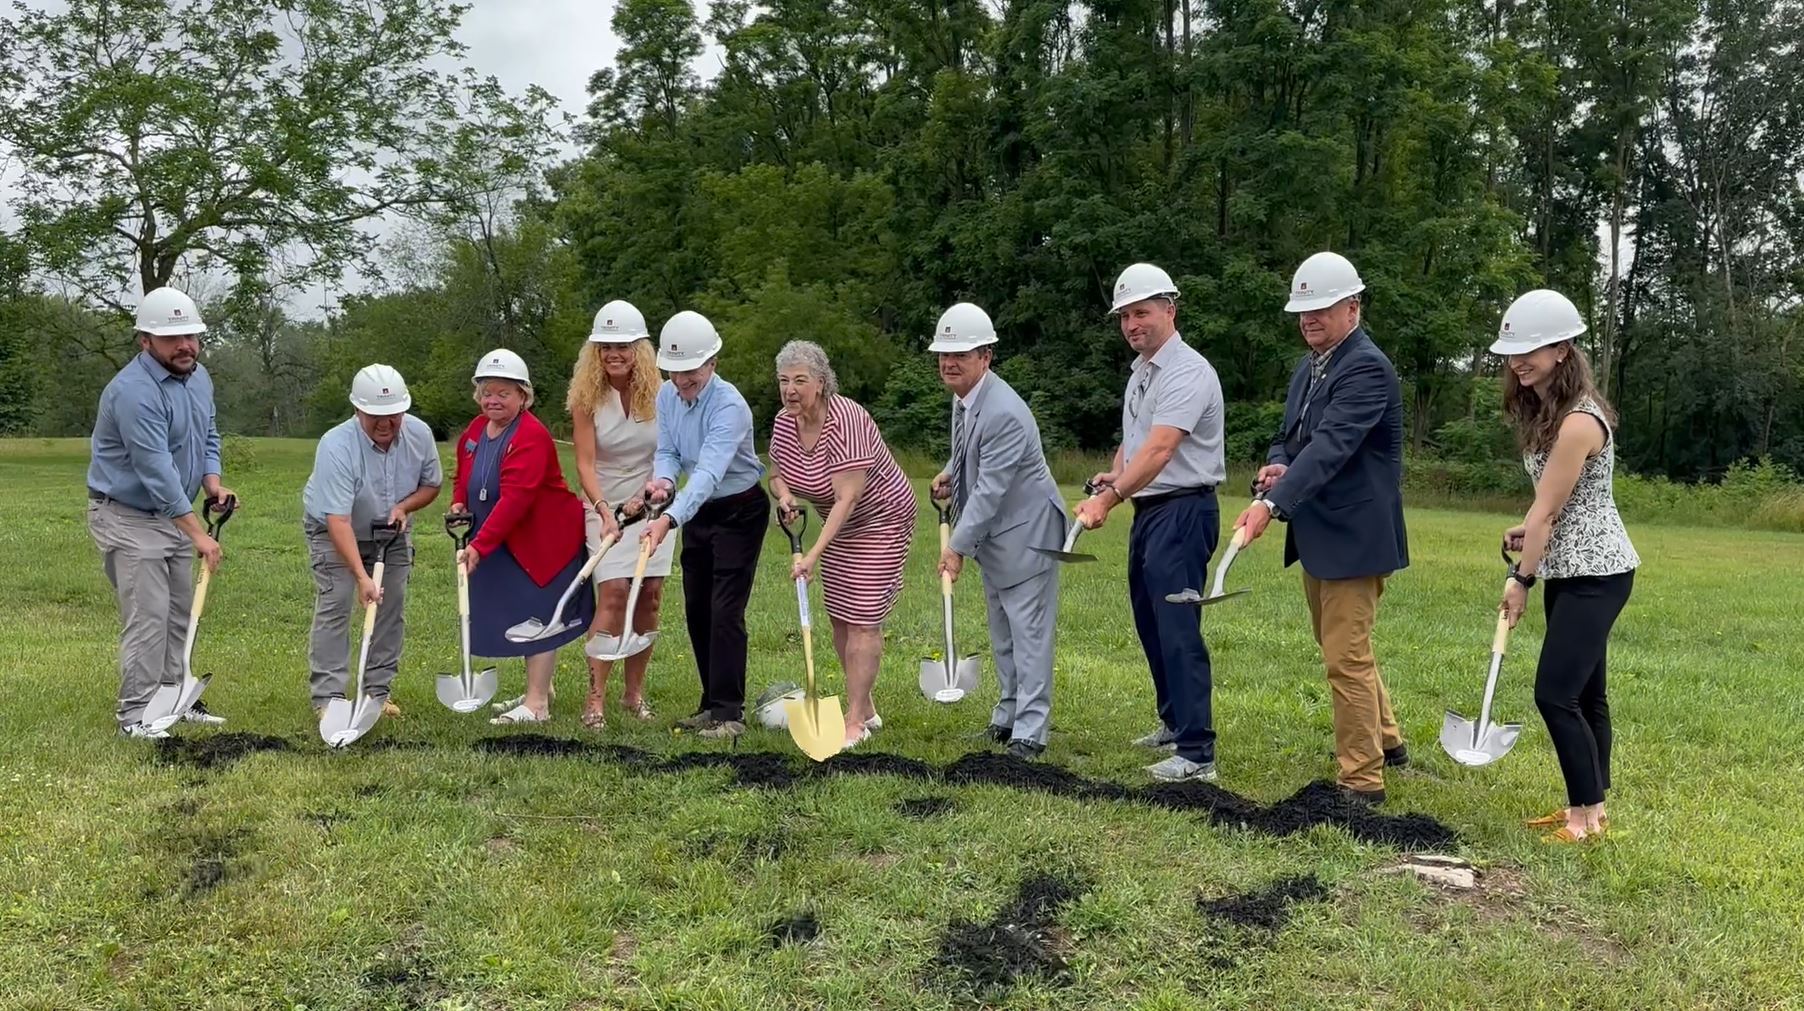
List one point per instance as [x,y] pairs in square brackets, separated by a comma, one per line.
[468,558]
[805,568]
[1515,598]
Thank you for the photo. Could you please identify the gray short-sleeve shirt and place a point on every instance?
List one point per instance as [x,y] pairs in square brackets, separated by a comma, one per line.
[1177,387]
[351,477]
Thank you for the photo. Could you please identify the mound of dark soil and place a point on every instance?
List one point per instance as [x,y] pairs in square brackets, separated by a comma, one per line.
[1321,803]
[217,750]
[798,929]
[1018,942]
[536,745]
[1265,908]
[875,763]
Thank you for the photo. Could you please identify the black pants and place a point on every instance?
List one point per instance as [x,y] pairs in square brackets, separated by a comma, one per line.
[721,545]
[1569,683]
[1168,551]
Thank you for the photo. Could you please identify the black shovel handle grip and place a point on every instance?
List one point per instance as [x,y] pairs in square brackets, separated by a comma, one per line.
[461,527]
[384,534]
[942,506]
[795,534]
[215,511]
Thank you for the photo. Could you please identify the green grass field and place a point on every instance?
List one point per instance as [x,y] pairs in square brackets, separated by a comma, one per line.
[418,870]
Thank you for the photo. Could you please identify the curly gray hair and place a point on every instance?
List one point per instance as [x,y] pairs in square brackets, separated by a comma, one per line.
[809,355]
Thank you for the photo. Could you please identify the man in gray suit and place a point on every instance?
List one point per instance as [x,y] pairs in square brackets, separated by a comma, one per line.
[1004,503]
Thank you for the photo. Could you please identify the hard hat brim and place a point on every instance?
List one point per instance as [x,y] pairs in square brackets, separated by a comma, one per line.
[1523,345]
[176,330]
[688,363]
[384,410]
[955,347]
[1123,303]
[615,338]
[1315,302]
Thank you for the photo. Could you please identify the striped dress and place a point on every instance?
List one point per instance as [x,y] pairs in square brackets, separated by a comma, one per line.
[861,570]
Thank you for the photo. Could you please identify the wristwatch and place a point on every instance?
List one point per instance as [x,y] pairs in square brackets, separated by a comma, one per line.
[1527,582]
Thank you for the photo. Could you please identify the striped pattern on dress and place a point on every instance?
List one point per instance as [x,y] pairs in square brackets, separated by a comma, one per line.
[861,570]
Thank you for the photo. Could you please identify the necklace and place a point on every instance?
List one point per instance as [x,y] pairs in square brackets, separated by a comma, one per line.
[494,463]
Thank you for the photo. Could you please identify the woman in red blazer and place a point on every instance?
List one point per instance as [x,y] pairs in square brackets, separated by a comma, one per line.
[529,543]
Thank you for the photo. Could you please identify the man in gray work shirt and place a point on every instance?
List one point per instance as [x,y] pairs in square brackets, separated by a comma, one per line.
[155,446]
[1168,465]
[379,466]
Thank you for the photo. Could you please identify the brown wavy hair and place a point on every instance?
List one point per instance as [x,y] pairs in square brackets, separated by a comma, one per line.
[589,382]
[1536,416]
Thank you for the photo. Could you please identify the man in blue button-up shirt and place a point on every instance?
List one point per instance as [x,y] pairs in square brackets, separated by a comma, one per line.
[155,446]
[705,431]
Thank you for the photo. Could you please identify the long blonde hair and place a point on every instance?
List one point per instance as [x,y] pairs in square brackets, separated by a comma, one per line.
[589,382]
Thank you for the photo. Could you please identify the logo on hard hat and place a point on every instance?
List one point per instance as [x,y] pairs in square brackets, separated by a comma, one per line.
[1302,285]
[607,323]
[1506,324]
[385,391]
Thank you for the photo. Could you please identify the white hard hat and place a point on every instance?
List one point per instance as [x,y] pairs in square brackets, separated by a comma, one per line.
[502,364]
[618,322]
[1535,320]
[687,341]
[1321,281]
[1140,282]
[166,312]
[964,327]
[379,389]
[770,710]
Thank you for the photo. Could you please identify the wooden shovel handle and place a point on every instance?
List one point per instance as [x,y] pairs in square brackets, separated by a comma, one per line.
[1501,638]
[200,596]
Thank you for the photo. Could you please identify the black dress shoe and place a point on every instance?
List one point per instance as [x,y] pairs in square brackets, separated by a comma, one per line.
[1397,757]
[1025,750]
[995,734]
[1369,798]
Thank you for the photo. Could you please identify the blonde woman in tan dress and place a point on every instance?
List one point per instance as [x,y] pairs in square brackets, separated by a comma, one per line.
[616,432]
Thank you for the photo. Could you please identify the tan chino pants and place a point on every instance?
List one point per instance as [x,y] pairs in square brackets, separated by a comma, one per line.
[1343,612]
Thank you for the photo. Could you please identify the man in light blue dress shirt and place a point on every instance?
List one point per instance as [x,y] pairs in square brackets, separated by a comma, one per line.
[379,466]
[155,446]
[705,431]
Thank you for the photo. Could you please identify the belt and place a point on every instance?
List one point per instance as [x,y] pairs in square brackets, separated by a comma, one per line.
[1149,501]
[737,498]
[104,499]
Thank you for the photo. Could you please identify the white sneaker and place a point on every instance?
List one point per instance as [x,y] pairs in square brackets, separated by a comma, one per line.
[1177,769]
[1163,739]
[197,713]
[142,732]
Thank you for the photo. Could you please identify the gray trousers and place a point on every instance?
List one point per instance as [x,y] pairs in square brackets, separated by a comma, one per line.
[335,601]
[150,563]
[1021,626]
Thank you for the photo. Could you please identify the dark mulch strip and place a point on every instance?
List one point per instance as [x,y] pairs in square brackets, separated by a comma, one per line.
[1017,943]
[217,750]
[1320,803]
[1001,769]
[1265,908]
[876,763]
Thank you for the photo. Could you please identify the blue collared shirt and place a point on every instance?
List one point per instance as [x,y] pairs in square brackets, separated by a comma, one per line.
[155,438]
[354,479]
[710,440]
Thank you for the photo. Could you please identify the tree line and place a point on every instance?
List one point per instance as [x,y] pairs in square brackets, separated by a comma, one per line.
[848,168]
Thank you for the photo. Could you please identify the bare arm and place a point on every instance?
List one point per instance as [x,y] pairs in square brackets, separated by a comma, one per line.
[847,486]
[1580,438]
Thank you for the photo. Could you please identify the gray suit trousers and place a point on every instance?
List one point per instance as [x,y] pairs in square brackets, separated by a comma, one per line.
[335,601]
[1022,618]
[150,563]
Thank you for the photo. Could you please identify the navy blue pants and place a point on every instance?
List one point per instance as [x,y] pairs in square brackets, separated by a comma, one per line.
[1168,550]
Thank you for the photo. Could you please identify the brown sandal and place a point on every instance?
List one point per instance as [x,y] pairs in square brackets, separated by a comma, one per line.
[595,719]
[1559,818]
[1566,835]
[641,710]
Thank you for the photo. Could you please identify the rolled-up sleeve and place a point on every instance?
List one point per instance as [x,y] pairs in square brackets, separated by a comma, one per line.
[1183,398]
[335,479]
[146,436]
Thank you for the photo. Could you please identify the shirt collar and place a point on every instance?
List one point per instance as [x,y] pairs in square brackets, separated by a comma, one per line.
[700,398]
[970,398]
[156,369]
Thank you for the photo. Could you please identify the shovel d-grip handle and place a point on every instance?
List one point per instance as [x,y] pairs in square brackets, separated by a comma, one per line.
[461,527]
[795,533]
[215,512]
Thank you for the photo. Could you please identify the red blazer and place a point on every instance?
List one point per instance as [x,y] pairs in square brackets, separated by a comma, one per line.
[537,516]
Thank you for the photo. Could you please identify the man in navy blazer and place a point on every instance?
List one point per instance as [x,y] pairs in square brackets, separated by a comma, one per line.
[1335,476]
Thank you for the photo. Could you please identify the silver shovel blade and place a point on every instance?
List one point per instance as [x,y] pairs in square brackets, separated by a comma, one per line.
[454,695]
[619,647]
[1064,556]
[171,701]
[344,722]
[1462,741]
[1189,596]
[533,629]
[940,686]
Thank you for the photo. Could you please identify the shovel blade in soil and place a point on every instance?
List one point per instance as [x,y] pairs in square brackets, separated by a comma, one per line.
[458,697]
[817,725]
[344,722]
[1463,742]
[619,647]
[171,701]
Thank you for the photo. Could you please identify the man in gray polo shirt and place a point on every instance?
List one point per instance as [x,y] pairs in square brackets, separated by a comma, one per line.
[379,466]
[155,446]
[1168,465]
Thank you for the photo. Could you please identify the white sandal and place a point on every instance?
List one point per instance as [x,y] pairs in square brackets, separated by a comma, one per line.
[520,714]
[520,700]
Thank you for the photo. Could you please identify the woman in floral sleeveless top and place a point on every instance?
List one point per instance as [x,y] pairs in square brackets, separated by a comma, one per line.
[1572,539]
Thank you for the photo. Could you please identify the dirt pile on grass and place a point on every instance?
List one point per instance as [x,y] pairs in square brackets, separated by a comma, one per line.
[1019,942]
[1267,908]
[216,750]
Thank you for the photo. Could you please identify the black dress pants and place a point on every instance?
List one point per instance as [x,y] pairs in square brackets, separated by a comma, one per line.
[1569,682]
[721,545]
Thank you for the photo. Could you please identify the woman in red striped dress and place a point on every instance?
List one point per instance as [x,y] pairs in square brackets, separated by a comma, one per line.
[827,450]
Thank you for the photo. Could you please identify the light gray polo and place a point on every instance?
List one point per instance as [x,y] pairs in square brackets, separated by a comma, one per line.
[1179,388]
[351,477]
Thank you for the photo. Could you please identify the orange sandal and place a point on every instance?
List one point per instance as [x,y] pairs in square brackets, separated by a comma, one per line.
[1559,818]
[1566,835]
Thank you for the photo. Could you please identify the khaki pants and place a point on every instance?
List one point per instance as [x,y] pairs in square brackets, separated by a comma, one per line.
[150,563]
[1343,611]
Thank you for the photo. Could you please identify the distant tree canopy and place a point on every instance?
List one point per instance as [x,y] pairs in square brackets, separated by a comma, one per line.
[855,166]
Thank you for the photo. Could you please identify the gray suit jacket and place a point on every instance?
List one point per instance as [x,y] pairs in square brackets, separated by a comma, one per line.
[1011,502]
